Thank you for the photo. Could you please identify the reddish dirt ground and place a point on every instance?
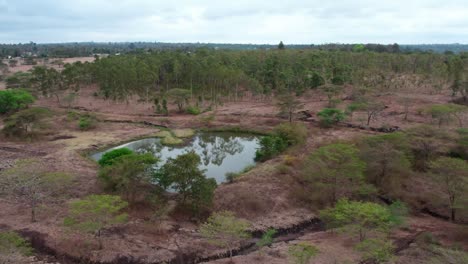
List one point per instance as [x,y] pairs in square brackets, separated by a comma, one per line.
[262,196]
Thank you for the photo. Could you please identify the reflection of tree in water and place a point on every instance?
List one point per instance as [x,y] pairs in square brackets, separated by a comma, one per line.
[153,148]
[214,148]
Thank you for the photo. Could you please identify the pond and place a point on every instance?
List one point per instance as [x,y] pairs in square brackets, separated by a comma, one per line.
[220,152]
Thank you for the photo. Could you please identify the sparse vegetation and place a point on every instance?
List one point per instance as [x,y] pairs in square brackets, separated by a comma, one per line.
[95,212]
[302,253]
[26,123]
[330,116]
[452,175]
[225,230]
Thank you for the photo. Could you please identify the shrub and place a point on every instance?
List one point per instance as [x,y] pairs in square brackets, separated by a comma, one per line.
[292,133]
[377,250]
[130,175]
[87,122]
[109,157]
[193,110]
[330,116]
[270,146]
[267,238]
[95,212]
[302,252]
[358,217]
[14,100]
[25,123]
[231,176]
[11,242]
[284,136]
[225,230]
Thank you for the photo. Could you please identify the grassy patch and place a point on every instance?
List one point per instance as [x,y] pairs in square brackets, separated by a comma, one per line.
[183,133]
[235,129]
[163,134]
[171,140]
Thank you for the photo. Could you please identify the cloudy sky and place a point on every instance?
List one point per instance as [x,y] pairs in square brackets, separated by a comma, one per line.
[235,21]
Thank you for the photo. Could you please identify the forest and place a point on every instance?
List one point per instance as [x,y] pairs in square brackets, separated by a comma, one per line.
[82,49]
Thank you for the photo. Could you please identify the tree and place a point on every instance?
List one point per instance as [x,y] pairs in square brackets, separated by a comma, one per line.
[29,182]
[281,45]
[184,175]
[387,158]
[302,252]
[332,91]
[330,116]
[426,144]
[452,175]
[289,104]
[25,123]
[373,109]
[180,97]
[129,174]
[358,217]
[14,100]
[225,230]
[443,113]
[94,213]
[337,168]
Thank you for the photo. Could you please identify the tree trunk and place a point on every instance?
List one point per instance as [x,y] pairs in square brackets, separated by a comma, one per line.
[33,212]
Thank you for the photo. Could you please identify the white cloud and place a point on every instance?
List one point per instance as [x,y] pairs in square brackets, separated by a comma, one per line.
[240,21]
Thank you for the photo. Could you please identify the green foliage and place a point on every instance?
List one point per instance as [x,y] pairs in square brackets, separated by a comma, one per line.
[180,97]
[129,175]
[30,182]
[19,80]
[427,143]
[267,238]
[388,158]
[461,150]
[336,168]
[330,116]
[224,229]
[284,136]
[14,100]
[11,243]
[25,123]
[165,110]
[86,122]
[231,176]
[292,133]
[332,92]
[444,113]
[193,110]
[289,104]
[377,250]
[452,175]
[184,175]
[95,212]
[398,211]
[109,157]
[270,146]
[302,253]
[358,217]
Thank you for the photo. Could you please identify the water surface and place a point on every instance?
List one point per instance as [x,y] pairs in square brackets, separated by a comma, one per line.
[220,152]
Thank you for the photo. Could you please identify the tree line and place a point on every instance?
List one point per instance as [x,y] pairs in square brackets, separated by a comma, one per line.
[226,75]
